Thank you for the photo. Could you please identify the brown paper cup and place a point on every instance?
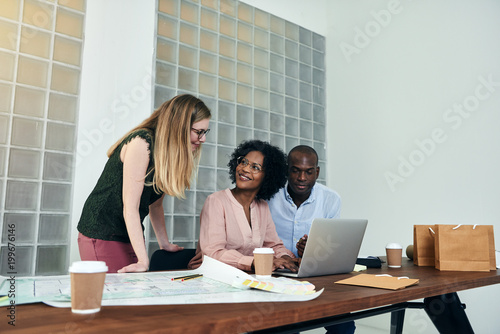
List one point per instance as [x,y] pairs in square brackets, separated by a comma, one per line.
[87,284]
[263,262]
[394,255]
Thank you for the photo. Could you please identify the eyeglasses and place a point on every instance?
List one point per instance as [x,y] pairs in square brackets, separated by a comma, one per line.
[254,168]
[200,133]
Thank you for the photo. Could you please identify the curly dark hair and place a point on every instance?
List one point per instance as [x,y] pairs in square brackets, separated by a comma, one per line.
[274,166]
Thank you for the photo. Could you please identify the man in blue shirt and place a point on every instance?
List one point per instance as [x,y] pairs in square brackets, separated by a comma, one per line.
[296,205]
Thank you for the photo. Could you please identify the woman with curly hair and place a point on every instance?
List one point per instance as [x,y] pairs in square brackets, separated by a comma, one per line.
[236,221]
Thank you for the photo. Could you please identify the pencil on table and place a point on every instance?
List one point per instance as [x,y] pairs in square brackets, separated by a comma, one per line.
[181,278]
[192,277]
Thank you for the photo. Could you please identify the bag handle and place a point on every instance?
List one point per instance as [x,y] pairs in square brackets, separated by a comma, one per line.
[474,227]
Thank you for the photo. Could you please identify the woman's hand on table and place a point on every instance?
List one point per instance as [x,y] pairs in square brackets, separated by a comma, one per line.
[286,262]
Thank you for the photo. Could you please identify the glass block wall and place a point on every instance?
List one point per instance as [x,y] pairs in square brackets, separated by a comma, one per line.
[262,76]
[40,57]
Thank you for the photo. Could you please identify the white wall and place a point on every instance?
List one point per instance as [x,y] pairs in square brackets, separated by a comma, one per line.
[396,92]
[393,81]
[115,87]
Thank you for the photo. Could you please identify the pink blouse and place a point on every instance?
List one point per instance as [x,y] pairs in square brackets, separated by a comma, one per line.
[225,234]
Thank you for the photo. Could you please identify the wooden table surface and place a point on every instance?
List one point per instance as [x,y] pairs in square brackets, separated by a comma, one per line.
[243,317]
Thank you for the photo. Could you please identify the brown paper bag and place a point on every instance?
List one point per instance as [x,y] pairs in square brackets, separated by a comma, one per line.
[464,247]
[491,238]
[423,245]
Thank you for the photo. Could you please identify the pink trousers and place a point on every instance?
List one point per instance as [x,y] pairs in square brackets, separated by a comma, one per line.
[116,254]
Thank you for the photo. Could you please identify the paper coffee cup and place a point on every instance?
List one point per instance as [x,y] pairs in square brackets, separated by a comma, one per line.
[394,255]
[263,262]
[87,284]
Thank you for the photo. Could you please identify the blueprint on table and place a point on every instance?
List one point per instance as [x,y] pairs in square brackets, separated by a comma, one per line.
[219,283]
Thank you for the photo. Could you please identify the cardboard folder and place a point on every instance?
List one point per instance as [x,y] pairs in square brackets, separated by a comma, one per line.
[379,281]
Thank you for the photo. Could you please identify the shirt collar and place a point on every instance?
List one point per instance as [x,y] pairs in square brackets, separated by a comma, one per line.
[310,199]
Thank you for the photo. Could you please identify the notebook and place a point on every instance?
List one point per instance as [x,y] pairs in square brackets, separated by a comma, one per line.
[332,247]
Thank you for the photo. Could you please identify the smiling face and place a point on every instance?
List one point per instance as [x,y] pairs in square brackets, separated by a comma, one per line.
[303,171]
[196,141]
[246,179]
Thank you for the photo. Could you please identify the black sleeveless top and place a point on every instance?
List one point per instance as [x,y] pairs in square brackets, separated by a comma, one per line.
[102,215]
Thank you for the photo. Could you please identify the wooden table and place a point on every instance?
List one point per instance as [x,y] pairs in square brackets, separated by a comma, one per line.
[335,301]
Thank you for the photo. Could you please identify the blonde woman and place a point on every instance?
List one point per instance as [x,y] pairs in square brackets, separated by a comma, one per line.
[158,157]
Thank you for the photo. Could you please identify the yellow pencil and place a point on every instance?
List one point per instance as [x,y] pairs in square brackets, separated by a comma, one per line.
[192,277]
[180,278]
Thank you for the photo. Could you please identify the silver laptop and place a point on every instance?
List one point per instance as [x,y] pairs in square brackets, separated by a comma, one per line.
[332,247]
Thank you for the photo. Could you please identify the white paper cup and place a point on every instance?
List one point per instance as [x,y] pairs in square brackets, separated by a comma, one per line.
[394,255]
[263,262]
[87,284]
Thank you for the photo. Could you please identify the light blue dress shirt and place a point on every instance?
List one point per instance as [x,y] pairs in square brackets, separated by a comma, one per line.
[292,223]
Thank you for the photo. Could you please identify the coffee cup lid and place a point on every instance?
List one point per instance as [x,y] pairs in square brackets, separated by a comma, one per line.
[88,267]
[263,251]
[393,245]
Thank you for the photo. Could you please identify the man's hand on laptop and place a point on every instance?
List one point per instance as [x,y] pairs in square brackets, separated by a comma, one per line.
[286,262]
[301,245]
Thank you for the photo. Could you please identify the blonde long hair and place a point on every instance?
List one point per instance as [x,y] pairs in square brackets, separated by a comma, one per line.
[174,161]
